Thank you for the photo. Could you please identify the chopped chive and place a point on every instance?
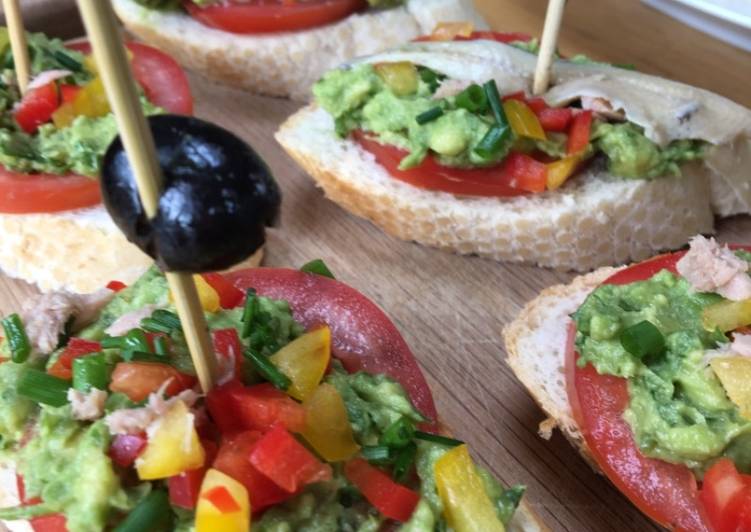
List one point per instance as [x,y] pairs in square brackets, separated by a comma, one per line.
[130,355]
[493,142]
[153,512]
[15,333]
[67,61]
[318,267]
[43,388]
[378,454]
[429,115]
[160,346]
[431,78]
[643,339]
[113,342]
[249,311]
[268,370]
[494,100]
[92,371]
[155,326]
[136,340]
[398,434]
[404,461]
[167,318]
[435,438]
[473,99]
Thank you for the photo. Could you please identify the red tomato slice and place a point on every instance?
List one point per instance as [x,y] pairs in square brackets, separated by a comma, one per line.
[36,107]
[665,492]
[362,336]
[165,85]
[497,181]
[77,347]
[138,379]
[498,36]
[266,16]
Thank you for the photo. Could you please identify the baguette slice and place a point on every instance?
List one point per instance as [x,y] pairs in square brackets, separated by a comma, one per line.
[79,251]
[286,64]
[595,219]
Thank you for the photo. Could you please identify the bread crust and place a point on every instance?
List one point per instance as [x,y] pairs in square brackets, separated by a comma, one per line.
[592,221]
[79,251]
[286,64]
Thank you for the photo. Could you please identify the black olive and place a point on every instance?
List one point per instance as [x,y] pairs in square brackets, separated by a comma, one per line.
[218,196]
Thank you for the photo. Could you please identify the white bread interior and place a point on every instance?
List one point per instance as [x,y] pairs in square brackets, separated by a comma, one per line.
[286,64]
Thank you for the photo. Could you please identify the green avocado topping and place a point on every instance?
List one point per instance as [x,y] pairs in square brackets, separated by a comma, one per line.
[678,410]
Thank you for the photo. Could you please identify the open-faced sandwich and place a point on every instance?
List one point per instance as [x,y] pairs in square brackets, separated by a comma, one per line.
[441,143]
[321,418]
[281,47]
[646,370]
[54,231]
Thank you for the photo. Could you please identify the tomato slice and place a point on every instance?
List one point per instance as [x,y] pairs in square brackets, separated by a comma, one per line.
[362,336]
[665,492]
[498,36]
[164,83]
[264,16]
[499,181]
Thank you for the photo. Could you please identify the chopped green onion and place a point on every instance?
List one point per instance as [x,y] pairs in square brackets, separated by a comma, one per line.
[249,311]
[130,355]
[43,388]
[160,346]
[399,433]
[152,513]
[318,267]
[167,318]
[113,342]
[642,339]
[268,370]
[136,340]
[404,461]
[15,334]
[92,371]
[493,141]
[431,78]
[435,438]
[473,99]
[494,100]
[378,454]
[67,61]
[429,115]
[155,326]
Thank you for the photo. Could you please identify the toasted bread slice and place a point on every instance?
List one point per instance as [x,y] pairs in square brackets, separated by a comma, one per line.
[286,64]
[79,251]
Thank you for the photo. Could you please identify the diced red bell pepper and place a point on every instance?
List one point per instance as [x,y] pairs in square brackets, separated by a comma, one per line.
[286,461]
[229,295]
[391,499]
[185,488]
[518,95]
[723,495]
[125,448]
[68,93]
[737,515]
[234,460]
[21,487]
[139,379]
[537,104]
[49,523]
[227,345]
[116,286]
[220,497]
[236,407]
[77,347]
[151,336]
[578,135]
[525,173]
[554,118]
[36,107]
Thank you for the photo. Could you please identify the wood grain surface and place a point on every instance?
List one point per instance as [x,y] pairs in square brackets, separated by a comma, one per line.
[451,309]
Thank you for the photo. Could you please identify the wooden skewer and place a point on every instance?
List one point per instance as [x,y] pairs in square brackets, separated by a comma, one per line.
[550,31]
[112,61]
[18,45]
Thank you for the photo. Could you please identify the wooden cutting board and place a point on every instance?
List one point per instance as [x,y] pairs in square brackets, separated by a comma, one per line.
[451,309]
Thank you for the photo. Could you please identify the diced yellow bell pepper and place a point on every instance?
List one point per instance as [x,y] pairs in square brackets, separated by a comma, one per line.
[735,375]
[466,506]
[560,171]
[448,31]
[402,77]
[89,63]
[173,447]
[727,315]
[304,361]
[210,518]
[90,101]
[523,120]
[327,427]
[64,115]
[206,293]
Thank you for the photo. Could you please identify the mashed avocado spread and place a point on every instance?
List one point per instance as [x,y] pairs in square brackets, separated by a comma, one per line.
[362,98]
[67,464]
[77,148]
[678,410]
